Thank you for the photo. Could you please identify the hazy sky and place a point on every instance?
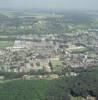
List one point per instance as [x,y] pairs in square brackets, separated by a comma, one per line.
[66,4]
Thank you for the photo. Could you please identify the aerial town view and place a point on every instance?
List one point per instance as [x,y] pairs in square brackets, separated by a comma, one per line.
[48,54]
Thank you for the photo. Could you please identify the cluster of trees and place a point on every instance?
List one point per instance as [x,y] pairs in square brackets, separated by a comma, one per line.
[86,83]
[23,90]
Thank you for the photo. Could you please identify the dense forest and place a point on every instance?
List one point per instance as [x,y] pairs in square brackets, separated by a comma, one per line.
[83,85]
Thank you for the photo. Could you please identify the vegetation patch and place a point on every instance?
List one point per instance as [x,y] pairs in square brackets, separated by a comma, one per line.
[56,64]
[4,44]
[23,90]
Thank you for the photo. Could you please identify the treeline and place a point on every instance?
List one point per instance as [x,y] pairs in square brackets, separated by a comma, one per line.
[11,75]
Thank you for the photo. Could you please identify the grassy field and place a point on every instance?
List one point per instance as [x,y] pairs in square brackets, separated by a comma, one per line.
[4,44]
[56,65]
[23,90]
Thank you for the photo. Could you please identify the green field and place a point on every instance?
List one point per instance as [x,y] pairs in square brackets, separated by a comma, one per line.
[56,65]
[23,90]
[75,49]
[4,44]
